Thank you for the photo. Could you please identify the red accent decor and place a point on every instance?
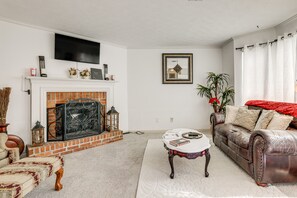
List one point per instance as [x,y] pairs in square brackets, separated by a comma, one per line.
[213,100]
[280,107]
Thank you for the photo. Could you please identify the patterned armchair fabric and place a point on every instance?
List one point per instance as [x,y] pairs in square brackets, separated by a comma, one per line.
[7,155]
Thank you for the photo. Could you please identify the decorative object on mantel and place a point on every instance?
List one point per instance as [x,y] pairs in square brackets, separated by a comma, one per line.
[112,120]
[217,90]
[33,71]
[177,68]
[4,101]
[85,73]
[72,72]
[42,66]
[105,71]
[37,134]
[96,74]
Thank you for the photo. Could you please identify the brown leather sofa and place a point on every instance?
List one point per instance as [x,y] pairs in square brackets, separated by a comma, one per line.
[269,156]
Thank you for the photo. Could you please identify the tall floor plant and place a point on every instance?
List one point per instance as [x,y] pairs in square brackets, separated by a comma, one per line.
[217,90]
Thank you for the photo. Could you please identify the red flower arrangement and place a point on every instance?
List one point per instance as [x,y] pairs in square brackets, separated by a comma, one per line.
[214,101]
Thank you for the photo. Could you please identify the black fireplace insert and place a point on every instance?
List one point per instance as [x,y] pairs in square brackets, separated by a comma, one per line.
[75,119]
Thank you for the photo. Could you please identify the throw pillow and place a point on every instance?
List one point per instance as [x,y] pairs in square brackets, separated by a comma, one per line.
[231,112]
[279,122]
[264,119]
[246,118]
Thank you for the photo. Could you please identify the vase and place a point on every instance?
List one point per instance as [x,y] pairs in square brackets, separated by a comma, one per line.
[73,76]
[3,128]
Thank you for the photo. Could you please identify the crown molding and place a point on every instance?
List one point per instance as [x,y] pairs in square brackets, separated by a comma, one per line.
[289,20]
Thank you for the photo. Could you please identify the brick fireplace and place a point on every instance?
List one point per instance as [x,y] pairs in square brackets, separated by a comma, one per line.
[58,102]
[48,93]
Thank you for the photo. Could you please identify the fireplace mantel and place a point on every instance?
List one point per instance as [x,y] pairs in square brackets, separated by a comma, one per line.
[39,86]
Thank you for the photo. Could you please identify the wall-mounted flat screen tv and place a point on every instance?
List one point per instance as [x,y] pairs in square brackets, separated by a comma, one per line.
[78,50]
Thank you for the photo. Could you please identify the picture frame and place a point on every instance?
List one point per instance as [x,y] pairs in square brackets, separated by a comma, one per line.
[96,74]
[177,68]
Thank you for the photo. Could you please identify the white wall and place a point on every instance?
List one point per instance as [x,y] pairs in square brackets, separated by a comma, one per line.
[228,60]
[152,104]
[287,26]
[20,47]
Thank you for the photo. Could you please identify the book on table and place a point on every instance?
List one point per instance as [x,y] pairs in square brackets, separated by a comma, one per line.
[179,142]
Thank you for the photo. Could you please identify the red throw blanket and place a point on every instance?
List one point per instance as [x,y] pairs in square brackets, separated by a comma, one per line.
[281,107]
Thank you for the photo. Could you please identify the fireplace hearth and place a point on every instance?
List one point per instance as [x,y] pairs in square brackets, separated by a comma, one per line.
[74,119]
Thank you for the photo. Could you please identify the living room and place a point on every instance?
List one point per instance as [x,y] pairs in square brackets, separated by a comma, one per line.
[136,41]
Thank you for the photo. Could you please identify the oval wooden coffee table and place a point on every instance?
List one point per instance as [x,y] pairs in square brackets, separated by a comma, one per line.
[195,148]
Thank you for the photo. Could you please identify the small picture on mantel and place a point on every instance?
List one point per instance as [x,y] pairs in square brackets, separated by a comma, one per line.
[96,74]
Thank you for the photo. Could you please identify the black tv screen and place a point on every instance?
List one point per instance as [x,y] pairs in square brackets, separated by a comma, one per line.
[74,49]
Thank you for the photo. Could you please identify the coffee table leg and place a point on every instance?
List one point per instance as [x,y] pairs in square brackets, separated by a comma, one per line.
[170,157]
[207,156]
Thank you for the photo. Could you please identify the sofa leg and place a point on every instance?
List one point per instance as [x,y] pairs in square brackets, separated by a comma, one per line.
[261,184]
[59,174]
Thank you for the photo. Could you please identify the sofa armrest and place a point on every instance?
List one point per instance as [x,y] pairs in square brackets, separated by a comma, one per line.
[215,119]
[273,153]
[277,141]
[13,154]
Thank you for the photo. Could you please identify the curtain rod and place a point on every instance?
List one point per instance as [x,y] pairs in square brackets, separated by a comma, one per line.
[274,41]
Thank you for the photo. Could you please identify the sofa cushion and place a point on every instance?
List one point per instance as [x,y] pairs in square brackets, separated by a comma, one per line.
[246,118]
[264,119]
[240,138]
[225,129]
[279,122]
[244,153]
[231,112]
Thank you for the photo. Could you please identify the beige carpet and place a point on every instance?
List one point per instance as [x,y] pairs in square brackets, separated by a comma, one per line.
[111,171]
[226,178]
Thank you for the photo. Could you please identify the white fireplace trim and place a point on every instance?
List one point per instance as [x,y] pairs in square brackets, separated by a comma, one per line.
[39,87]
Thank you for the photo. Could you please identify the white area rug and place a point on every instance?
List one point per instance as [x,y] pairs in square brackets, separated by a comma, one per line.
[226,179]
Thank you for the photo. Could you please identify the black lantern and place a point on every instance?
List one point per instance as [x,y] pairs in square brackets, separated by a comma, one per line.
[112,120]
[37,134]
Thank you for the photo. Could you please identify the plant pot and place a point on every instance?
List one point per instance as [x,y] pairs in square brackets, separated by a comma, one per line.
[73,76]
[3,128]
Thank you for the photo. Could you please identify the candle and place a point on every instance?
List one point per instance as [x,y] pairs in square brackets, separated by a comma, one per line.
[33,71]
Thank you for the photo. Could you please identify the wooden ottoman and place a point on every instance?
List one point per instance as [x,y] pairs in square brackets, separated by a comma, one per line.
[19,178]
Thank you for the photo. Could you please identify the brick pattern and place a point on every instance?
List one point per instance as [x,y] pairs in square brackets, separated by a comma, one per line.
[54,98]
[70,146]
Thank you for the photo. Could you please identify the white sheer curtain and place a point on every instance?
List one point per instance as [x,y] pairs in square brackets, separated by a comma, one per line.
[269,71]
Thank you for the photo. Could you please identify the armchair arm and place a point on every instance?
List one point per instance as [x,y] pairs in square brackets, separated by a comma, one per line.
[13,154]
[215,119]
[3,139]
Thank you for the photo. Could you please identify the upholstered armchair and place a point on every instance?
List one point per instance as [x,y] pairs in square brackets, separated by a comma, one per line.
[7,155]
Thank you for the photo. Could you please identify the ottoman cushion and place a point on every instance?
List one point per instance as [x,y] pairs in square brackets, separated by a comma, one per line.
[19,178]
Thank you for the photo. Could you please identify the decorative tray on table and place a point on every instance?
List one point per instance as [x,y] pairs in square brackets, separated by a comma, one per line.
[192,135]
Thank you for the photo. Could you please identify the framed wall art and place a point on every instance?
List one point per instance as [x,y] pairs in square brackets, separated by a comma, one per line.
[96,74]
[177,68]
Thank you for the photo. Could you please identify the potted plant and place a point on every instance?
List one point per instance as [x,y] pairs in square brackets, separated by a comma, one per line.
[217,90]
[4,101]
[72,72]
[85,73]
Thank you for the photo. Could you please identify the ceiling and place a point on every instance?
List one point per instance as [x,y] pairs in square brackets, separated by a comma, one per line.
[152,23]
